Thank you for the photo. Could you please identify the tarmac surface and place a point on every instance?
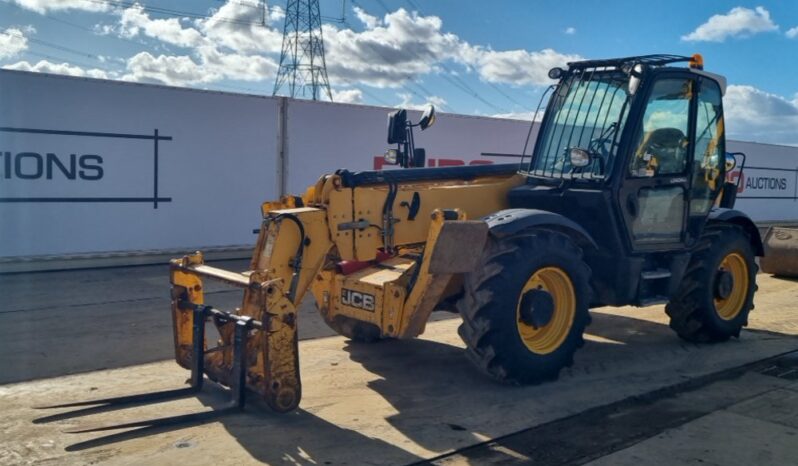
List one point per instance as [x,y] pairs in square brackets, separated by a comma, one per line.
[635,395]
[64,322]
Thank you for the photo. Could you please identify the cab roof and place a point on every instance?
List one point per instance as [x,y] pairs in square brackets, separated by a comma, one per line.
[654,60]
[627,63]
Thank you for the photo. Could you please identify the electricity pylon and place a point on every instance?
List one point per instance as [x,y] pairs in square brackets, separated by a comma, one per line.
[302,65]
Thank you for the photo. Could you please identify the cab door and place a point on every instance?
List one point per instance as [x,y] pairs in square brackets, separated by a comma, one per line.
[654,195]
[709,155]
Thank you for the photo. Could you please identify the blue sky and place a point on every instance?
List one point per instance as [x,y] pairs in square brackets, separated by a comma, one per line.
[469,57]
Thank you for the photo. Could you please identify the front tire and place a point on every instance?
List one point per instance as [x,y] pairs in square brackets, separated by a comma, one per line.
[525,307]
[717,291]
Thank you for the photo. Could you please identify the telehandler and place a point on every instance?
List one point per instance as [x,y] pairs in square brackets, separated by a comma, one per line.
[624,201]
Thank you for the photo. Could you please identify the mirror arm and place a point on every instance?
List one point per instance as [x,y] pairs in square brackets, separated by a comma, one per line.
[410,146]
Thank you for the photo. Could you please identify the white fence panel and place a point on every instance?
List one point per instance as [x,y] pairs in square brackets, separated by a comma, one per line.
[90,166]
[79,171]
[768,190]
[323,137]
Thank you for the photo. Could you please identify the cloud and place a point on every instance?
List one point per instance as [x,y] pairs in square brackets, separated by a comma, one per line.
[348,96]
[208,66]
[44,66]
[43,6]
[404,46]
[755,115]
[739,22]
[526,116]
[166,69]
[407,102]
[237,26]
[751,115]
[570,30]
[792,33]
[134,20]
[519,67]
[237,43]
[407,45]
[12,42]
[232,43]
[369,21]
[391,51]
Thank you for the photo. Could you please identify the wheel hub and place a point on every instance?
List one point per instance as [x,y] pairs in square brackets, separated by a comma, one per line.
[537,308]
[724,284]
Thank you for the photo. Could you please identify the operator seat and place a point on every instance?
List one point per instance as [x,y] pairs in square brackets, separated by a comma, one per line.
[669,146]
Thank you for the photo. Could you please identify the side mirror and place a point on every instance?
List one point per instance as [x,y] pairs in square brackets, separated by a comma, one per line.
[397,127]
[731,162]
[580,158]
[427,118]
[391,157]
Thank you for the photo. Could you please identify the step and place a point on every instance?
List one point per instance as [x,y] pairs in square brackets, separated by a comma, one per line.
[655,274]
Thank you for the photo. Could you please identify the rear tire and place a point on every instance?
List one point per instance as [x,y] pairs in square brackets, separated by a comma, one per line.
[699,312]
[500,342]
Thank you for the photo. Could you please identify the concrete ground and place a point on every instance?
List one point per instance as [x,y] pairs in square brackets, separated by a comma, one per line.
[636,394]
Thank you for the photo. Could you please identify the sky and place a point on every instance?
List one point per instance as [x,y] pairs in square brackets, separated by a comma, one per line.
[464,56]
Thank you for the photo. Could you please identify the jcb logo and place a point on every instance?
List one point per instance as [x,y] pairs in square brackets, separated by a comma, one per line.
[357,299]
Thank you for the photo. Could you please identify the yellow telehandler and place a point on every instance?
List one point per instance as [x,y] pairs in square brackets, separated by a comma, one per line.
[624,201]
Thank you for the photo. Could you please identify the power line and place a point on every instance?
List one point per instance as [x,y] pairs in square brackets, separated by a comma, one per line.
[384,6]
[413,5]
[69,61]
[452,78]
[58,20]
[173,12]
[500,91]
[78,26]
[368,93]
[54,46]
[464,86]
[425,94]
[407,77]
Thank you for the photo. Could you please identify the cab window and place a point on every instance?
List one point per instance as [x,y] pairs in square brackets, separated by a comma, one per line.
[662,142]
[709,149]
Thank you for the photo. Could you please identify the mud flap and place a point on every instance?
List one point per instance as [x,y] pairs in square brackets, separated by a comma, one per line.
[458,246]
[454,246]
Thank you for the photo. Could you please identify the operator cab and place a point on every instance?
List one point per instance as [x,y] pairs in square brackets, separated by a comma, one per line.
[632,149]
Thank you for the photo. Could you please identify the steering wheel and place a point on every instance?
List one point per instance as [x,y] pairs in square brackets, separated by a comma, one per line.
[601,147]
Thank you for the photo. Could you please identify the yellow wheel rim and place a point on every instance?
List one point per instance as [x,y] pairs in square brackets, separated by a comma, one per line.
[728,308]
[546,339]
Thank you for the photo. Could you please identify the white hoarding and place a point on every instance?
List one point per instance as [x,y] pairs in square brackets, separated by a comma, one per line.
[323,137]
[768,190]
[91,166]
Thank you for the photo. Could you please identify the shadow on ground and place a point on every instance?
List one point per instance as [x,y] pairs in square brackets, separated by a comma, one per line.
[442,402]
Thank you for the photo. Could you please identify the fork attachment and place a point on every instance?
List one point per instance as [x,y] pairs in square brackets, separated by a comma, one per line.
[269,360]
[200,313]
